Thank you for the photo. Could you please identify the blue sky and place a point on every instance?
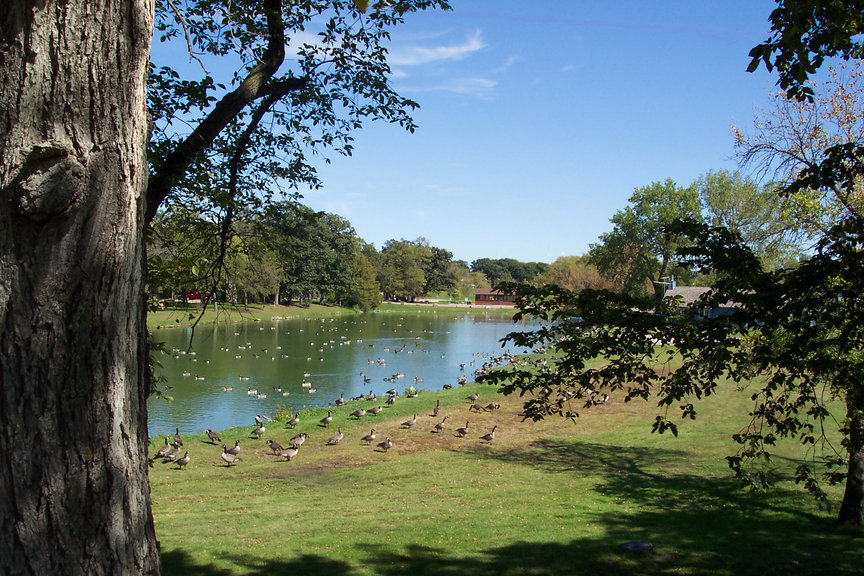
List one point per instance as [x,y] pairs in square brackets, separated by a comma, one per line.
[539,118]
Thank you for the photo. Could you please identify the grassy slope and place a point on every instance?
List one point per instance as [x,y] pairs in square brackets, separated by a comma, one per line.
[543,498]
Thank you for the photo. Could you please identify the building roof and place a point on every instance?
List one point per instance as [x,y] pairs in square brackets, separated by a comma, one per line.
[688,293]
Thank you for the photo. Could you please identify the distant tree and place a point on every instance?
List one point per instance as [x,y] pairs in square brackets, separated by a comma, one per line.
[494,270]
[466,281]
[793,136]
[402,269]
[574,273]
[758,214]
[364,292]
[508,269]
[639,252]
[439,277]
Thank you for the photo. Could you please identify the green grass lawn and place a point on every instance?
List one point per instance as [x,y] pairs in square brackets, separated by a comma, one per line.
[553,497]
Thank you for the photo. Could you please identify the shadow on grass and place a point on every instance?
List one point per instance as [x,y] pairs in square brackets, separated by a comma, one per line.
[180,563]
[699,524]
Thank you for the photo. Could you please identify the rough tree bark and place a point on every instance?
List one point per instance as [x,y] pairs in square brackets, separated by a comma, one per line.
[74,493]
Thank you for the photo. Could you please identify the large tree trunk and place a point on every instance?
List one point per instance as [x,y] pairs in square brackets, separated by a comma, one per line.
[852,507]
[74,493]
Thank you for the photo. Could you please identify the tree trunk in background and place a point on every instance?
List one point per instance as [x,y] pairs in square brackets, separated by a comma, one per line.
[852,507]
[74,493]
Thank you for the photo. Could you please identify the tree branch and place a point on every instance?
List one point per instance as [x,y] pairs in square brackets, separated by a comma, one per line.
[256,84]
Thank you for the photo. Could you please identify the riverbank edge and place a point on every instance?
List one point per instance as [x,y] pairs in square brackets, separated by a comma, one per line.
[186,317]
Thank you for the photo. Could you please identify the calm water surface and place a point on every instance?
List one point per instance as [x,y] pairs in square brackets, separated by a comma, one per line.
[346,355]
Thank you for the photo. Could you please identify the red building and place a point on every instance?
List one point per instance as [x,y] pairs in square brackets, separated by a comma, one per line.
[488,297]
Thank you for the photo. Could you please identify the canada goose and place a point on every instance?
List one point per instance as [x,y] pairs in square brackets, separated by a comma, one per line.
[475,407]
[390,400]
[228,457]
[440,426]
[183,461]
[369,438]
[275,446]
[259,420]
[437,408]
[488,437]
[341,400]
[177,439]
[371,396]
[391,392]
[358,413]
[298,440]
[290,453]
[234,449]
[375,410]
[386,445]
[473,397]
[336,438]
[294,421]
[214,437]
[462,431]
[163,450]
[173,452]
[447,386]
[409,423]
[492,406]
[259,431]
[327,419]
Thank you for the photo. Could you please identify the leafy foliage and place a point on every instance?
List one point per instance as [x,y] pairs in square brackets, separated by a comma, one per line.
[639,252]
[803,35]
[795,340]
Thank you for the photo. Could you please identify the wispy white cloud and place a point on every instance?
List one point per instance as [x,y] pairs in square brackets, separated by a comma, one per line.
[417,55]
[471,86]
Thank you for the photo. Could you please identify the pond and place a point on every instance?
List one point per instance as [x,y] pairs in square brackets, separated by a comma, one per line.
[234,371]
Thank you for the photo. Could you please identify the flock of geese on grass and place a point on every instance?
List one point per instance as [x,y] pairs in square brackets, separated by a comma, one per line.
[230,456]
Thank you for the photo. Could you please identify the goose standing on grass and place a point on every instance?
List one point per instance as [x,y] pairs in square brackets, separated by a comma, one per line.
[473,397]
[341,400]
[490,436]
[410,423]
[336,438]
[298,440]
[234,450]
[290,453]
[375,410]
[386,445]
[259,420]
[173,452]
[437,408]
[327,419]
[163,450]
[358,413]
[229,458]
[259,431]
[177,439]
[440,426]
[214,437]
[462,431]
[294,421]
[369,438]
[275,446]
[183,461]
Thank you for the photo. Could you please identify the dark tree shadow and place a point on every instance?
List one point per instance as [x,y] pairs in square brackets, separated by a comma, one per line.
[179,563]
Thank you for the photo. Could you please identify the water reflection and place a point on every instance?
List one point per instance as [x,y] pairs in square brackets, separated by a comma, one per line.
[237,370]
